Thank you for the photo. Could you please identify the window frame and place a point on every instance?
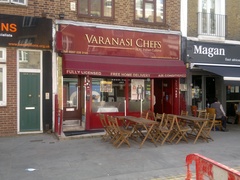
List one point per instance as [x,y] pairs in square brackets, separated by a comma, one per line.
[213,24]
[101,10]
[12,2]
[3,58]
[3,102]
[154,2]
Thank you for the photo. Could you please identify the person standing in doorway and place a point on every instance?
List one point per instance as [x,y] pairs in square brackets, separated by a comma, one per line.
[220,113]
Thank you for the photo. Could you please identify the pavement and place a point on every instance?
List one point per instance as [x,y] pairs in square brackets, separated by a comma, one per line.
[47,157]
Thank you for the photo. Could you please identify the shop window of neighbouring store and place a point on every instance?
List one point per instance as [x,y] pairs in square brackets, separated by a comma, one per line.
[139,95]
[96,8]
[150,11]
[197,91]
[108,95]
[3,78]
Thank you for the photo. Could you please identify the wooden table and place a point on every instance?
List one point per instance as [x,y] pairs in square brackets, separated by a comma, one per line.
[145,123]
[197,125]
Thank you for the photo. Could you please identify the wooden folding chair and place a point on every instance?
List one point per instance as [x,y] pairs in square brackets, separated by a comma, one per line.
[159,117]
[111,129]
[164,131]
[202,114]
[122,135]
[180,130]
[194,110]
[144,114]
[184,113]
[209,125]
[151,115]
[105,126]
[217,123]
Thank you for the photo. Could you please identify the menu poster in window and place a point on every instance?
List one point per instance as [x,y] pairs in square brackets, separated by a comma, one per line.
[137,89]
[236,89]
[106,86]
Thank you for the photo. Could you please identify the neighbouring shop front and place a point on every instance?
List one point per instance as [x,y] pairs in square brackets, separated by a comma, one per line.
[25,74]
[214,71]
[118,71]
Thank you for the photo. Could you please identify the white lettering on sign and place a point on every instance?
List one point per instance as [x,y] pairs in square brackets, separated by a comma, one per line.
[209,51]
[83,72]
[171,75]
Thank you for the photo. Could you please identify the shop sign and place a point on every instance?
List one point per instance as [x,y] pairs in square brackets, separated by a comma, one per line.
[121,74]
[214,53]
[115,42]
[25,32]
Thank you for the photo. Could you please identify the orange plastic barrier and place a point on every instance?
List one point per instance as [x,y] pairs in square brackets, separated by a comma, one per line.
[209,169]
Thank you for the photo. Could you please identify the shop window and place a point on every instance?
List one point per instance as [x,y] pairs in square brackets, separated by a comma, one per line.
[139,95]
[96,8]
[197,91]
[3,78]
[211,18]
[108,95]
[150,11]
[20,2]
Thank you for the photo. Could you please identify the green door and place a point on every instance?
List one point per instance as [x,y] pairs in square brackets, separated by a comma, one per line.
[29,102]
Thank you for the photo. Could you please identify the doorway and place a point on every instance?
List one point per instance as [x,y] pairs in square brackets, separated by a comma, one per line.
[29,102]
[163,95]
[30,88]
[73,104]
[210,90]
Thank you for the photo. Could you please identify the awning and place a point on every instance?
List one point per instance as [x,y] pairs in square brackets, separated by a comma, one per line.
[224,71]
[228,73]
[122,66]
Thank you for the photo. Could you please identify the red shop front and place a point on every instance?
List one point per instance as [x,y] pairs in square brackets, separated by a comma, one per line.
[117,72]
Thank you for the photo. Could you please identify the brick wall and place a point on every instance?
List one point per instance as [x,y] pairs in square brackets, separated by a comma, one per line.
[233,20]
[192,18]
[8,114]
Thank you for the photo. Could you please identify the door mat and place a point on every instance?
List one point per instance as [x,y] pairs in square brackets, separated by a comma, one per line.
[75,133]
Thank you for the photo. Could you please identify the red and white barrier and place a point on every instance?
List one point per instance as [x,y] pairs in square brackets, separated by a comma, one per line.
[209,169]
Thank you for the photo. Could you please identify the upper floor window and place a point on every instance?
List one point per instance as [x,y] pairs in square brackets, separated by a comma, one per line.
[96,8]
[152,11]
[20,2]
[211,18]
